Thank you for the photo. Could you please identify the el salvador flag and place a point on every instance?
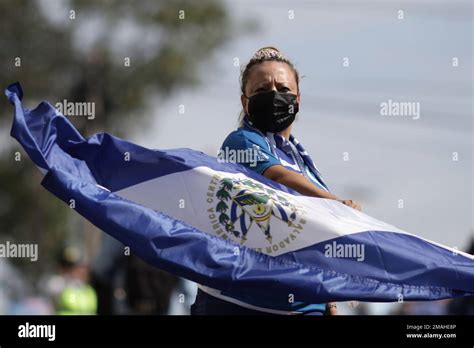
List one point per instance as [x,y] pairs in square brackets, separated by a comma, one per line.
[229,228]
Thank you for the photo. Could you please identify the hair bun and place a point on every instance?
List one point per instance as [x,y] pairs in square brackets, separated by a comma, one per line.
[268,52]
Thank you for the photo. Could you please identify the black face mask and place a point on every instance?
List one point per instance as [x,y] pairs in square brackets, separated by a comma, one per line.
[272,111]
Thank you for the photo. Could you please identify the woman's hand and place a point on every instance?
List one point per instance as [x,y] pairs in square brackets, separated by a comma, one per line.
[331,308]
[351,203]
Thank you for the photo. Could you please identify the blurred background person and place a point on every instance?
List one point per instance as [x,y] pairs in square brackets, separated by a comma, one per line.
[69,289]
[463,305]
[127,285]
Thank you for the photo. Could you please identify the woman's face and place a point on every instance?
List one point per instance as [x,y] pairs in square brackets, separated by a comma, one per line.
[268,76]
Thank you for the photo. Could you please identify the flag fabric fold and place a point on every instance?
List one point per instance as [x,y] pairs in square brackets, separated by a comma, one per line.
[229,228]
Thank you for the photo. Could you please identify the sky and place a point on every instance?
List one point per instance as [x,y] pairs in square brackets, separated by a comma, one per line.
[388,158]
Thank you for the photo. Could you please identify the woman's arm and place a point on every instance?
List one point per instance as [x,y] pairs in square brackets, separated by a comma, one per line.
[295,181]
[301,184]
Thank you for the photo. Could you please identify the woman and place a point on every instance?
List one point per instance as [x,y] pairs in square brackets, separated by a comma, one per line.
[270,100]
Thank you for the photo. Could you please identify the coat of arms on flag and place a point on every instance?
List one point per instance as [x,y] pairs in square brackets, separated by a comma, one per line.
[246,206]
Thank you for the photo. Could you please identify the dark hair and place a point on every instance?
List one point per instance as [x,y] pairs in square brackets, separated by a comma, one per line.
[264,54]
